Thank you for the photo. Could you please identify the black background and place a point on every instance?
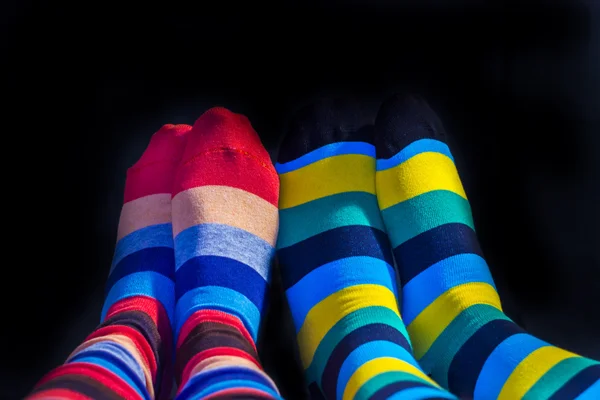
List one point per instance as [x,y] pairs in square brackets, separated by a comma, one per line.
[517,86]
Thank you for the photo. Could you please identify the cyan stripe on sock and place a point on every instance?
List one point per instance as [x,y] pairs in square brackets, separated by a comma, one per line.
[419,214]
[557,376]
[351,322]
[436,362]
[326,213]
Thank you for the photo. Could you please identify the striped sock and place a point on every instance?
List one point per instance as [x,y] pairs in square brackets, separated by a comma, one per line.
[225,228]
[336,263]
[450,304]
[125,357]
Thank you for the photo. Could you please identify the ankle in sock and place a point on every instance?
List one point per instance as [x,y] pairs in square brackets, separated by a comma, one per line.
[453,313]
[336,262]
[130,351]
[225,223]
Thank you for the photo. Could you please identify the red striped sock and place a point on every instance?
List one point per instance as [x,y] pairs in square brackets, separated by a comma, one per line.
[225,222]
[127,355]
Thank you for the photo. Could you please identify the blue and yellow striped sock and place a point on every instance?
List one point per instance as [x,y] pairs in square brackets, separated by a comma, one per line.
[336,262]
[451,307]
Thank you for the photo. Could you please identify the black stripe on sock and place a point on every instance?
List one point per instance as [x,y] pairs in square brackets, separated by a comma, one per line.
[346,241]
[578,384]
[356,338]
[141,322]
[468,361]
[419,253]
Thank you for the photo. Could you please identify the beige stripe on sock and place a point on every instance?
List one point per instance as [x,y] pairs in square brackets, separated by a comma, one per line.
[225,205]
[143,212]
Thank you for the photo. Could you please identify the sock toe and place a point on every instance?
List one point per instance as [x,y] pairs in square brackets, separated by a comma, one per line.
[153,173]
[219,129]
[325,121]
[403,119]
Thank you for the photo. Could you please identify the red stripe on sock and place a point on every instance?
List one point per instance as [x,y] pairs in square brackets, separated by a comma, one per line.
[238,391]
[96,372]
[214,352]
[155,310]
[212,316]
[226,167]
[150,306]
[58,394]
[138,339]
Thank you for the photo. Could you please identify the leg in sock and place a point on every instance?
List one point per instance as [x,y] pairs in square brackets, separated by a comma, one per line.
[460,335]
[128,354]
[336,262]
[225,223]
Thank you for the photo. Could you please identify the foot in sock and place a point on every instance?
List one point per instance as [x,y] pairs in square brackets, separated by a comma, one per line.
[336,262]
[128,354]
[225,223]
[459,333]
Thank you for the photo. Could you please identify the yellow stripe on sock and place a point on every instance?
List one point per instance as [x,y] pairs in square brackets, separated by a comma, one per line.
[420,174]
[325,314]
[333,175]
[431,322]
[374,367]
[530,370]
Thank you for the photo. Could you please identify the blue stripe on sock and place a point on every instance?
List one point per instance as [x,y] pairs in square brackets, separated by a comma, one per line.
[419,253]
[502,362]
[591,393]
[156,259]
[346,241]
[427,286]
[224,272]
[225,241]
[145,283]
[116,359]
[330,150]
[214,380]
[422,393]
[160,235]
[438,358]
[368,352]
[334,276]
[417,147]
[218,298]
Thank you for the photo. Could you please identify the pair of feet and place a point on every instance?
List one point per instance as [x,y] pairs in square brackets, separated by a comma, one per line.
[198,232]
[356,197]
